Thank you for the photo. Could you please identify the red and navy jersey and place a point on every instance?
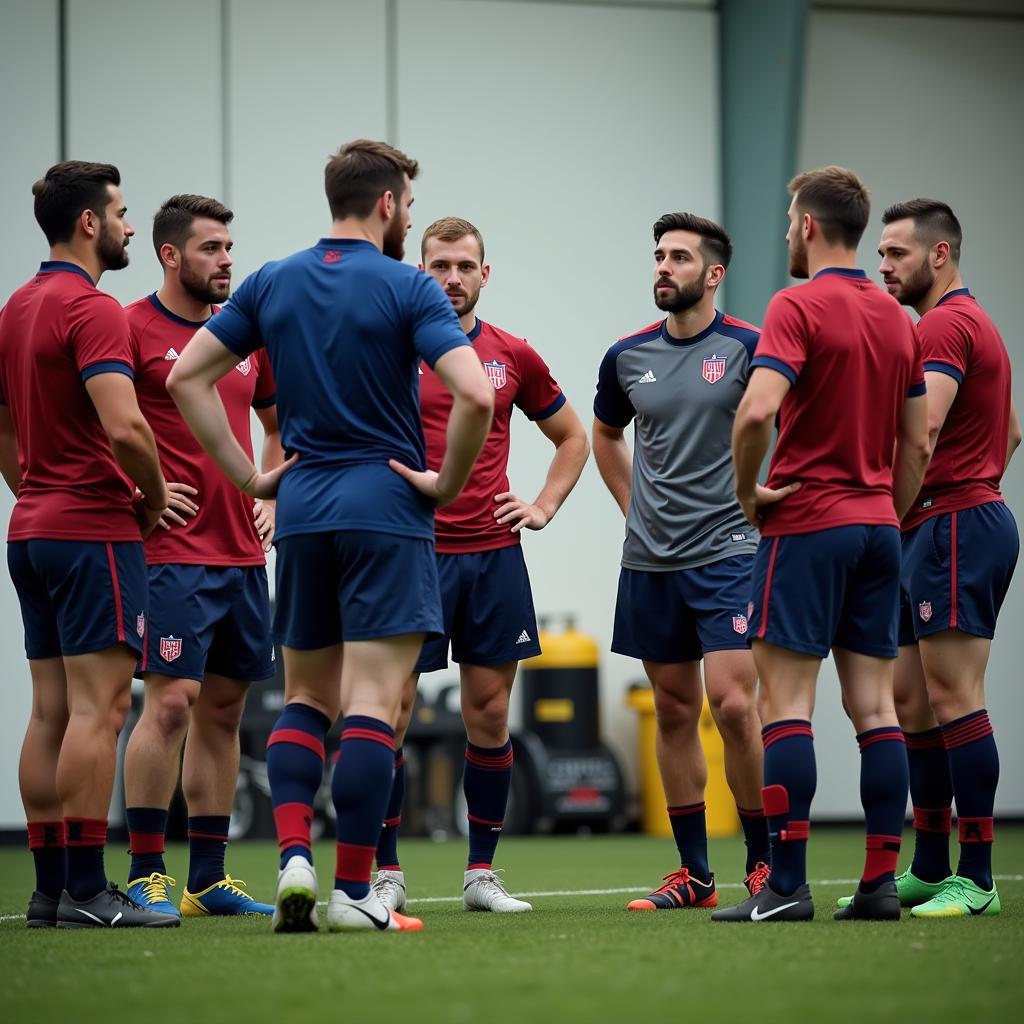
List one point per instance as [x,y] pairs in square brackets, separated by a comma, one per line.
[853,358]
[959,339]
[520,378]
[222,532]
[56,332]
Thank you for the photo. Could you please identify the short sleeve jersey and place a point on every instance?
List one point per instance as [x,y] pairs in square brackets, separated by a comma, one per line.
[345,328]
[852,357]
[520,378]
[222,532]
[56,332]
[681,396]
[959,339]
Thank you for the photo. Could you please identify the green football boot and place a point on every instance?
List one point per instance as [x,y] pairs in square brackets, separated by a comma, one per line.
[960,897]
[911,889]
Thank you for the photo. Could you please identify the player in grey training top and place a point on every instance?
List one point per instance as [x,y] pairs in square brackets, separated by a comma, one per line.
[685,579]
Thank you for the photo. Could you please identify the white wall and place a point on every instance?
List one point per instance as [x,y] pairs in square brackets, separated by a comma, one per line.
[563,130]
[930,106]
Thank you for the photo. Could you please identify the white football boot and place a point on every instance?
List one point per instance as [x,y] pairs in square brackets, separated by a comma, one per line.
[482,890]
[390,889]
[295,904]
[345,914]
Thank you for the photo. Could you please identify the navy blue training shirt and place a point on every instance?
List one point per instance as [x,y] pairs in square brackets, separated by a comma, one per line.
[345,327]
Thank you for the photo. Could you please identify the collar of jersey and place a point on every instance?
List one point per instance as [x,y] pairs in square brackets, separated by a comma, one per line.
[475,332]
[955,292]
[711,328]
[338,243]
[161,308]
[50,266]
[842,272]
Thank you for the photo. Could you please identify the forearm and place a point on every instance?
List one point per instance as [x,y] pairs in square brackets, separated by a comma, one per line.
[273,453]
[566,466]
[908,473]
[202,409]
[615,464]
[750,440]
[468,425]
[135,452]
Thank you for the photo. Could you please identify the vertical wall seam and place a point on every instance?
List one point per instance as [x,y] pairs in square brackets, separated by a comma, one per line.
[391,71]
[62,80]
[225,102]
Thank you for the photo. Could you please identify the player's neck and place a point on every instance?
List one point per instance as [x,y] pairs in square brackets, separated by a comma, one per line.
[86,259]
[179,302]
[467,321]
[819,259]
[358,230]
[943,285]
[690,322]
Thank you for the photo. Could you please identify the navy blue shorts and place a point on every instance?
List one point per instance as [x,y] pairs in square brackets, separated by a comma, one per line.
[354,585]
[209,619]
[488,610]
[79,596]
[683,614]
[957,568]
[830,588]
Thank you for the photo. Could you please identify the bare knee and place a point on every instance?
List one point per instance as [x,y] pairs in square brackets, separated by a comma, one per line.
[223,716]
[734,712]
[170,712]
[488,716]
[673,713]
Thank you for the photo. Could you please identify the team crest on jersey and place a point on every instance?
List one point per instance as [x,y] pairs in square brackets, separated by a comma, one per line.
[245,366]
[496,374]
[170,647]
[714,369]
[924,609]
[739,624]
[140,624]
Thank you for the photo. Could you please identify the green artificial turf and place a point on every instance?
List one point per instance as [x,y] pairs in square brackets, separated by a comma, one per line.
[577,957]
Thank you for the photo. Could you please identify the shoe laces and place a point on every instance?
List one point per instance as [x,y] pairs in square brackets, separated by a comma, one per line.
[758,878]
[490,879]
[674,879]
[234,886]
[155,887]
[118,896]
[386,885]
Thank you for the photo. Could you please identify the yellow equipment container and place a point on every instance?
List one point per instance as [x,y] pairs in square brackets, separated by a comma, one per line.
[722,818]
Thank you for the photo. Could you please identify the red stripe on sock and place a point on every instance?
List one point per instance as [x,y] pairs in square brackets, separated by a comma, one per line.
[684,809]
[299,738]
[491,763]
[962,733]
[881,855]
[767,589]
[795,831]
[293,822]
[773,735]
[206,835]
[483,821]
[890,736]
[86,831]
[368,734]
[745,812]
[930,740]
[482,866]
[933,819]
[116,585]
[42,834]
[146,842]
[393,822]
[353,863]
[976,830]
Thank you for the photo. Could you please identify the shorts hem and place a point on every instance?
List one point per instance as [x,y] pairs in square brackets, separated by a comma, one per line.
[633,653]
[92,648]
[531,652]
[985,634]
[792,645]
[741,645]
[141,673]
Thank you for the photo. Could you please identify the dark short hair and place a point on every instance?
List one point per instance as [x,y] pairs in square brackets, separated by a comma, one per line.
[451,229]
[361,172]
[715,244]
[173,221]
[66,190]
[934,221]
[837,199]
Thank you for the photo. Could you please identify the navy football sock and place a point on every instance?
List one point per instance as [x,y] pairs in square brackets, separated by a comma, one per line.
[486,780]
[974,768]
[883,793]
[86,838]
[690,831]
[146,829]
[387,845]
[931,793]
[46,840]
[295,768]
[207,844]
[791,777]
[360,788]
[755,836]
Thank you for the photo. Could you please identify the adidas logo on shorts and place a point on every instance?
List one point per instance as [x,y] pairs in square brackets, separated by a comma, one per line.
[524,638]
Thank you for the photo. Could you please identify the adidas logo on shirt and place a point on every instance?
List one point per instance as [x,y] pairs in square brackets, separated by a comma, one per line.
[171,354]
[524,638]
[647,378]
